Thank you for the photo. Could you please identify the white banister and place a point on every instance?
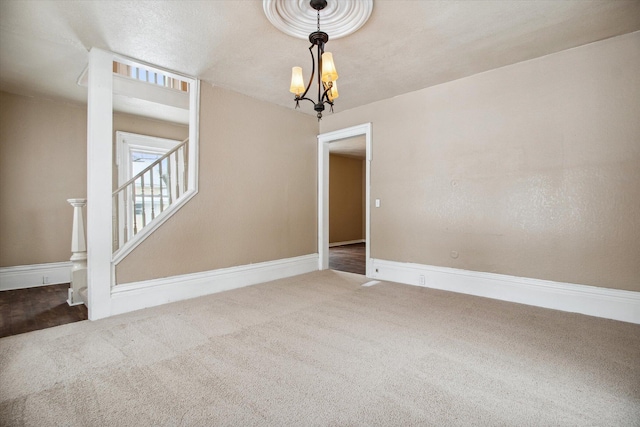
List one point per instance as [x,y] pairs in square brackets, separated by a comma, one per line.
[79,254]
[139,201]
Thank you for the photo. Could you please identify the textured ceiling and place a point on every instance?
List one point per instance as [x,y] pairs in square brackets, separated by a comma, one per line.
[405,45]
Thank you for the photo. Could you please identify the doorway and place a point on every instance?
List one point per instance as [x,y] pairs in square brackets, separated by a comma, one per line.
[347,245]
[343,137]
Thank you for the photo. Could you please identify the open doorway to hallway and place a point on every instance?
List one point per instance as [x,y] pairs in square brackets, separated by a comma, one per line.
[347,205]
[339,141]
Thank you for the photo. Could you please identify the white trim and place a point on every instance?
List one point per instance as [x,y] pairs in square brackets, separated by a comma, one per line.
[100,264]
[194,133]
[590,300]
[70,299]
[348,242]
[151,92]
[99,182]
[34,275]
[137,295]
[324,140]
[323,205]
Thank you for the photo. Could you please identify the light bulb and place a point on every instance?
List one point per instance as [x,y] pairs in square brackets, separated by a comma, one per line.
[333,92]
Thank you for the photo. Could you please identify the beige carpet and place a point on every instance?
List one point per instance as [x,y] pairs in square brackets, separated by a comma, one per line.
[320,349]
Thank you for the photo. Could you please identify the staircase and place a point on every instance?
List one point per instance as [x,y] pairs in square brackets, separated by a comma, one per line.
[140,203]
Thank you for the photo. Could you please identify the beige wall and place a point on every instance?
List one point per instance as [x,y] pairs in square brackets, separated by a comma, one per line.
[346,214]
[149,127]
[257,192]
[43,154]
[530,170]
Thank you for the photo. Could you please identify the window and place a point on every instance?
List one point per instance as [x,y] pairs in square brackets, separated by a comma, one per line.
[149,76]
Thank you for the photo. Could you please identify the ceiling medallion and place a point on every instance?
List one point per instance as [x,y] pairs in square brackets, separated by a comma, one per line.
[297,19]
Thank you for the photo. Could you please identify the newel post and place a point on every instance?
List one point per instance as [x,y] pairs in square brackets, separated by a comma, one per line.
[79,254]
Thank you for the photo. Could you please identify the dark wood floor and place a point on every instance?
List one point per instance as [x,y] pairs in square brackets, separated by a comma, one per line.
[350,258]
[25,310]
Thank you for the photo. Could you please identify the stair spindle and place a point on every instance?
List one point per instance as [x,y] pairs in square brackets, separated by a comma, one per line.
[169,179]
[135,214]
[178,173]
[161,198]
[122,201]
[151,188]
[144,210]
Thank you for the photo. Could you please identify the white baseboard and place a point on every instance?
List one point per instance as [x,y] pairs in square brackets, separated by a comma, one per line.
[134,296]
[590,300]
[348,242]
[31,276]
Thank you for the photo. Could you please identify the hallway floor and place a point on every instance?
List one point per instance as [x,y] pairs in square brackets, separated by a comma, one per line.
[31,309]
[349,258]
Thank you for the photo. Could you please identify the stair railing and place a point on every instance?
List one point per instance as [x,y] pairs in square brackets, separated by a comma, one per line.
[139,201]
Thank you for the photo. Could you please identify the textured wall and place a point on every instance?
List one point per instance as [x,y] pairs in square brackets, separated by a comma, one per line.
[257,192]
[346,214]
[43,162]
[531,170]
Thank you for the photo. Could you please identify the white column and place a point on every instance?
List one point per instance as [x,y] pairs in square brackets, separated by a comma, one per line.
[79,253]
[99,184]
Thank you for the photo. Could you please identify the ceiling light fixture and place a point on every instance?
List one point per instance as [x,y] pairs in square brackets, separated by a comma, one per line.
[327,74]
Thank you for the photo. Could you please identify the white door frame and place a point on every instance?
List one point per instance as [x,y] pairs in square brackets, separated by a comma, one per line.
[324,140]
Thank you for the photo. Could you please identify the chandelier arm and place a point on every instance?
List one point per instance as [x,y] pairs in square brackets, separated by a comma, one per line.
[306,99]
[313,70]
[325,96]
[320,52]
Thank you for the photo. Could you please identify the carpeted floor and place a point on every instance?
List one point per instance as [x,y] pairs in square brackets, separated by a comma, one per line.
[320,349]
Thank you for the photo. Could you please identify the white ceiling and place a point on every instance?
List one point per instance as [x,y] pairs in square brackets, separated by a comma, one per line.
[405,45]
